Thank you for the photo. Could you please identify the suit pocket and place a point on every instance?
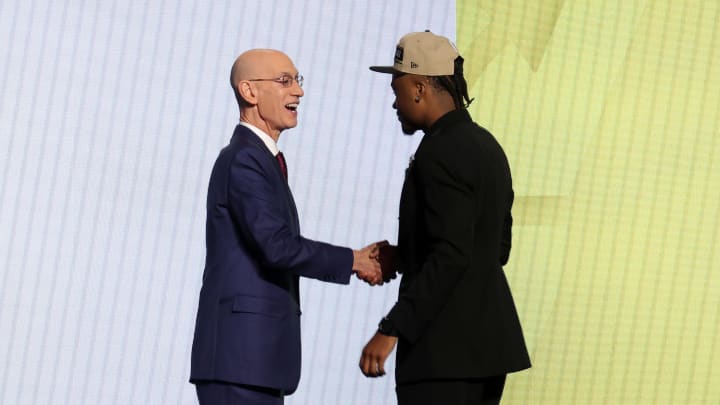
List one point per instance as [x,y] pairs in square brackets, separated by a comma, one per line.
[256,305]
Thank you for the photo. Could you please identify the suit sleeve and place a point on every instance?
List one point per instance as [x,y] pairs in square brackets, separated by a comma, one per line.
[446,190]
[506,241]
[262,218]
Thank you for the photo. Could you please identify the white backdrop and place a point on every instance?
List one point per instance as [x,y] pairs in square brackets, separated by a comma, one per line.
[111,116]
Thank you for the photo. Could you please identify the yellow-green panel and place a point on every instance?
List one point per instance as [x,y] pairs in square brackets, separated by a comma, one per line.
[609,112]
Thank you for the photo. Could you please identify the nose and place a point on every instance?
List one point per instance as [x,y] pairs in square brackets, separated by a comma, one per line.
[297,90]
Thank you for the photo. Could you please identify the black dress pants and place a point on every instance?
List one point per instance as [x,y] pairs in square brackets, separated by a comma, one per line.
[479,391]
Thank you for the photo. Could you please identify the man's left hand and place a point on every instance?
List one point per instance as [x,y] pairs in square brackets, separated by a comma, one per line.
[376,351]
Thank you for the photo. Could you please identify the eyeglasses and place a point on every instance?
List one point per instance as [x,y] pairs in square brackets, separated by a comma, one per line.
[285,80]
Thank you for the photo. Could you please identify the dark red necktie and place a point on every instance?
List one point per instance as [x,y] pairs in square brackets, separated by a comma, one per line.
[283,164]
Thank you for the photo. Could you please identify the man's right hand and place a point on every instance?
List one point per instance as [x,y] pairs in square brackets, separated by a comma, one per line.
[366,265]
[386,257]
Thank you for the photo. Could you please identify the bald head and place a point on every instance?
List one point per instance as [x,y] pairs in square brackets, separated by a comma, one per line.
[257,63]
[253,62]
[266,98]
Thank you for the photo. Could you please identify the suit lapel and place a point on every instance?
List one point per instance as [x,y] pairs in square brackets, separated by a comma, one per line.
[242,131]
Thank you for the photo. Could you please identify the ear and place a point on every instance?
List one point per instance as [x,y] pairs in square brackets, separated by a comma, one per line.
[420,88]
[247,91]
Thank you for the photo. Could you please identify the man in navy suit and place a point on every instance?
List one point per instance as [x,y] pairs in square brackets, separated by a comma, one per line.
[246,348]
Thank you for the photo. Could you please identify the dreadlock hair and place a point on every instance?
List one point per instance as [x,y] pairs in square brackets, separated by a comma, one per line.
[455,85]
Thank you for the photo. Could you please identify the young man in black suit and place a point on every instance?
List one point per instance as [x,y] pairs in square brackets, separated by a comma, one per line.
[455,322]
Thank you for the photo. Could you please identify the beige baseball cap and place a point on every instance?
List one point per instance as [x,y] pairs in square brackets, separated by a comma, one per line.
[422,53]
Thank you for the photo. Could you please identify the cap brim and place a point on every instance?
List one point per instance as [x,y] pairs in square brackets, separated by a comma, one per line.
[383,69]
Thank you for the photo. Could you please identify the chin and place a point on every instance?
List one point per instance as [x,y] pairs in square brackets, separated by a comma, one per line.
[408,130]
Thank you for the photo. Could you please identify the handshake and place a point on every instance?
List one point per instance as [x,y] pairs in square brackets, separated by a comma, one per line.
[375,263]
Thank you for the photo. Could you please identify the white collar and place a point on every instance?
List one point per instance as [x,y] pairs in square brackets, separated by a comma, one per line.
[267,139]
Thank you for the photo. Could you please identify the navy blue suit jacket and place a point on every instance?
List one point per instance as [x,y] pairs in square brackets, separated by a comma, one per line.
[248,322]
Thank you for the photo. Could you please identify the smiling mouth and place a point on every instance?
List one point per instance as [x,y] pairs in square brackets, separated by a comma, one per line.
[292,106]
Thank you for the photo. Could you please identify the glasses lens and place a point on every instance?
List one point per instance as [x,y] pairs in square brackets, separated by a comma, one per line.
[299,79]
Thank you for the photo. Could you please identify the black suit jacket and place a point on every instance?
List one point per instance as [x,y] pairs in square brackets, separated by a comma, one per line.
[455,314]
